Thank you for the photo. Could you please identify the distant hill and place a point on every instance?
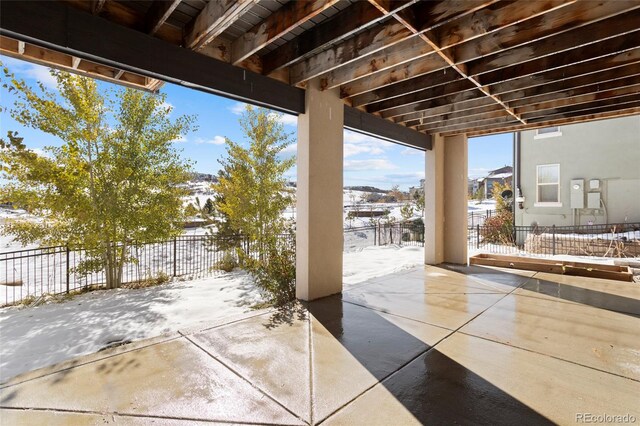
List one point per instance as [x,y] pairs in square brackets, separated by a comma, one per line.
[366,189]
[204,177]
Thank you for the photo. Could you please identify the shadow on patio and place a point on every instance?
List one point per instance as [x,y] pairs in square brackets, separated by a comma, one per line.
[434,344]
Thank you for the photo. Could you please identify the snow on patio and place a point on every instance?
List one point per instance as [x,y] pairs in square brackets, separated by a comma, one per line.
[39,336]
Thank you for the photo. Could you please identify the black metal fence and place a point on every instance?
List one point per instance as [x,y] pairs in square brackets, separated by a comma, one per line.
[399,233]
[54,270]
[475,218]
[606,240]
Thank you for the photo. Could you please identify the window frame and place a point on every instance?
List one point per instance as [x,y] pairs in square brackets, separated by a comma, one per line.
[539,203]
[539,135]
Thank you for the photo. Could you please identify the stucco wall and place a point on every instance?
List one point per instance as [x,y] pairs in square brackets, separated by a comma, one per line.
[608,150]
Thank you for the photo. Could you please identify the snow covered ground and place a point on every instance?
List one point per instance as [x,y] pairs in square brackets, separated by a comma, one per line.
[39,336]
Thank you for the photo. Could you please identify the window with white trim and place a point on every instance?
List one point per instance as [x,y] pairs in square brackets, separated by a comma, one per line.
[548,185]
[547,132]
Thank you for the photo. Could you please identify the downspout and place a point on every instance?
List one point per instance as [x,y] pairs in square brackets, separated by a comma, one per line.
[516,172]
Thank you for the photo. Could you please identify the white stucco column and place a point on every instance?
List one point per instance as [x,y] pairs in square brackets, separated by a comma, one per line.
[319,228]
[446,200]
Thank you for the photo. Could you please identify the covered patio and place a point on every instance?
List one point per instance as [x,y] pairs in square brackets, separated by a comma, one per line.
[425,74]
[441,345]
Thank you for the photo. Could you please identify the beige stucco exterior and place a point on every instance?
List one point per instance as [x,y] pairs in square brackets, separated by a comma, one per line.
[607,151]
[319,234]
[446,200]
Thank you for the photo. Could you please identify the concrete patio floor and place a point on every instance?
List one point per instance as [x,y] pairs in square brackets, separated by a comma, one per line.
[467,345]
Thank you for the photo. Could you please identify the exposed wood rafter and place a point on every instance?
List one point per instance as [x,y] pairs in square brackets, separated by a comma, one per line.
[158,13]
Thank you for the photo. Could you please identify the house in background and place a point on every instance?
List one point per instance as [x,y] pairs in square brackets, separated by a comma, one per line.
[501,175]
[579,174]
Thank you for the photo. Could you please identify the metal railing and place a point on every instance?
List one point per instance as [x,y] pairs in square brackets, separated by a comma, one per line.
[602,240]
[475,218]
[55,270]
[399,233]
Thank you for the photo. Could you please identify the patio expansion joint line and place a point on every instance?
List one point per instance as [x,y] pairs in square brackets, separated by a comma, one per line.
[230,368]
[135,415]
[310,346]
[421,353]
[6,385]
[384,311]
[548,356]
[570,302]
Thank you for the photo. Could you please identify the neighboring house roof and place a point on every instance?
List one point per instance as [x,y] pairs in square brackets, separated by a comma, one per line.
[501,176]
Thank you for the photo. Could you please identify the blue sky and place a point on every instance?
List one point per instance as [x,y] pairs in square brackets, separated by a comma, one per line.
[367,160]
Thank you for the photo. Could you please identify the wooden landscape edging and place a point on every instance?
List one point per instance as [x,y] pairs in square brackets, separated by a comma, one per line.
[583,269]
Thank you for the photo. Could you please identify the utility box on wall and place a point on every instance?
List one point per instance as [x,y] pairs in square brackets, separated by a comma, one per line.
[593,200]
[577,193]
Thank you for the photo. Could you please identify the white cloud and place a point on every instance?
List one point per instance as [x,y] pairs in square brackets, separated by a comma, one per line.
[478,172]
[180,139]
[411,151]
[37,72]
[291,149]
[354,149]
[367,165]
[238,108]
[216,140]
[289,120]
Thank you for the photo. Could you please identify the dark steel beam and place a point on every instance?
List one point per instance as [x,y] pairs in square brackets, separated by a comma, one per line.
[65,29]
[369,124]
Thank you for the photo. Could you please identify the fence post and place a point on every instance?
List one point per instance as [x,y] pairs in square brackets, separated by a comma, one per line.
[472,220]
[375,235]
[477,236]
[175,256]
[68,268]
[553,239]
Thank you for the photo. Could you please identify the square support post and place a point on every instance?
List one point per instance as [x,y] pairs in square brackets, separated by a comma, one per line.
[319,233]
[446,200]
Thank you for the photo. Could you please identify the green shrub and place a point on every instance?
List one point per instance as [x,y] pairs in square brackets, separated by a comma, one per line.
[228,262]
[498,229]
[275,273]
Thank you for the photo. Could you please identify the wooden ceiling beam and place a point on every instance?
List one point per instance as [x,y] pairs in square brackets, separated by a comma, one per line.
[370,41]
[541,107]
[279,23]
[596,34]
[420,106]
[97,6]
[604,48]
[617,101]
[505,119]
[490,19]
[445,108]
[458,68]
[394,74]
[428,126]
[378,38]
[565,87]
[409,50]
[422,95]
[484,21]
[339,26]
[213,20]
[524,105]
[65,62]
[565,116]
[158,13]
[404,87]
[552,23]
[558,122]
[610,62]
[470,113]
